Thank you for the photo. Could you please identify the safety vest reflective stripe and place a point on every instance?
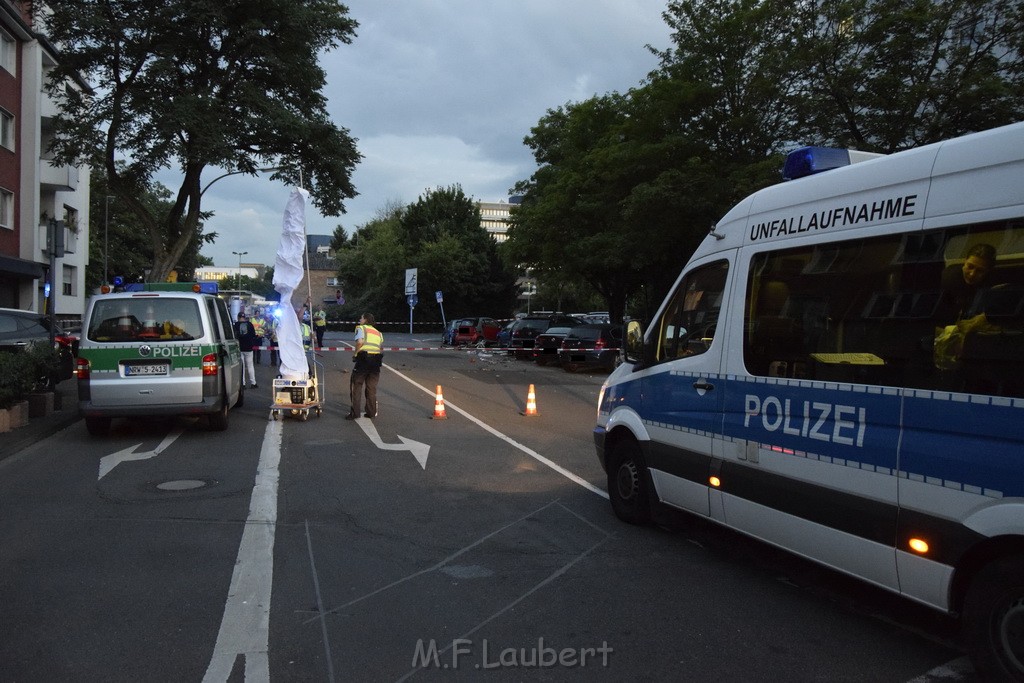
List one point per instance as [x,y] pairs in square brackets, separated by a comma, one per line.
[372,339]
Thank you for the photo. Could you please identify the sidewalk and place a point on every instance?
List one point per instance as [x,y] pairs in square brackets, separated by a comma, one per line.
[38,428]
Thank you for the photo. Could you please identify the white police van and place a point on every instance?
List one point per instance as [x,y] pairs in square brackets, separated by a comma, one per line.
[839,371]
[158,349]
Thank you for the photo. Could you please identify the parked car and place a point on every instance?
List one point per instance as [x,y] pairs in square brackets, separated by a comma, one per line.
[448,336]
[505,336]
[526,329]
[591,346]
[547,344]
[472,331]
[19,330]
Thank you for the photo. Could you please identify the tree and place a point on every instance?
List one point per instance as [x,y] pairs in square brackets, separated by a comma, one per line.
[238,90]
[886,75]
[440,235]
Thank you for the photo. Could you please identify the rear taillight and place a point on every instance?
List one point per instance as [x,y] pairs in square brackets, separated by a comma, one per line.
[209,364]
[82,368]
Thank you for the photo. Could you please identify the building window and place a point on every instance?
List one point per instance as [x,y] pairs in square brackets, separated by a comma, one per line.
[6,130]
[8,54]
[6,209]
[69,281]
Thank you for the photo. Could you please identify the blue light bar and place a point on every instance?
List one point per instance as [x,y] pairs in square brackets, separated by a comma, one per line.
[807,161]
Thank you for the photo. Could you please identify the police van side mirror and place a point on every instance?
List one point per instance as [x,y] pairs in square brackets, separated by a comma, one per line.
[633,346]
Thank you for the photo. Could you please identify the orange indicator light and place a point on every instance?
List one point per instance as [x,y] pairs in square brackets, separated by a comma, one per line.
[918,545]
[715,481]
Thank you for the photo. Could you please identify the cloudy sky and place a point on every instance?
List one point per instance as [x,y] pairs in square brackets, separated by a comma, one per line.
[439,92]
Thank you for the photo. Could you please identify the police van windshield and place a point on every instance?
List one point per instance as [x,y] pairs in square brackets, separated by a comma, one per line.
[145,319]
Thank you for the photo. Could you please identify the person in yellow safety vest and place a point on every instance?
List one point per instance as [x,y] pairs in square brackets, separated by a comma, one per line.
[368,358]
[259,325]
[307,336]
[271,331]
[307,339]
[320,326]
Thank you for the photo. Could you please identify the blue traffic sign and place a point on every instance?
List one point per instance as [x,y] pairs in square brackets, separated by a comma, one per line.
[413,300]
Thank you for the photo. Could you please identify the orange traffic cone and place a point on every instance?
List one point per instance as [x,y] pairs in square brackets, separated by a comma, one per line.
[531,403]
[439,406]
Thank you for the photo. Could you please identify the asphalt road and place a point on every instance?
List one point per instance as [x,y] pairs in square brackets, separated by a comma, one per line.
[477,547]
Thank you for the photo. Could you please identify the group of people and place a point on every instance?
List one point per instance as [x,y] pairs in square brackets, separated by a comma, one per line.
[367,354]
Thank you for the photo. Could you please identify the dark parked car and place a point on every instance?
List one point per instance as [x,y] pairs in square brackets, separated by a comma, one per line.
[526,329]
[472,331]
[19,330]
[590,346]
[547,344]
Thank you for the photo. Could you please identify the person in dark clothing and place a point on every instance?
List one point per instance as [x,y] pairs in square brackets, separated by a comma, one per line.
[963,288]
[246,334]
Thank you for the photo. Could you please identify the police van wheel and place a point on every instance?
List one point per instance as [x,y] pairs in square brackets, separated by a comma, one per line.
[627,483]
[994,620]
[97,426]
[219,420]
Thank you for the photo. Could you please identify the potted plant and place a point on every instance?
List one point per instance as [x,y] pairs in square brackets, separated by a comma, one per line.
[17,373]
[44,364]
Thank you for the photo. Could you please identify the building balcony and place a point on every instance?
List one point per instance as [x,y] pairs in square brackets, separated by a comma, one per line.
[57,178]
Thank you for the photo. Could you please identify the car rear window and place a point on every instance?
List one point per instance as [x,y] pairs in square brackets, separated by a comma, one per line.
[535,325]
[588,333]
[145,319]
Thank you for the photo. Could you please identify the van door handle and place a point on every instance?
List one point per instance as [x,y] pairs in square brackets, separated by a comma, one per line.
[703,385]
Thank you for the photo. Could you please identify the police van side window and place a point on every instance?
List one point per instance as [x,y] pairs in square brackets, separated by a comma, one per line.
[687,327]
[899,310]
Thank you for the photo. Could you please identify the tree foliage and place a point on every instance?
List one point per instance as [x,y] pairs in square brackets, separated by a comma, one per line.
[440,235]
[886,75]
[191,84]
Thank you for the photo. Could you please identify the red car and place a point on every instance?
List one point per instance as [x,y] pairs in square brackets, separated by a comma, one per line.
[473,331]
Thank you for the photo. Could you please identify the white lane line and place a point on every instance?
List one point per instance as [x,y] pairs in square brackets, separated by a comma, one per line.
[245,626]
[487,428]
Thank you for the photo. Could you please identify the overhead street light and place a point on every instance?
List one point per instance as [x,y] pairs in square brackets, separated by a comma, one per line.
[238,277]
[225,175]
[106,239]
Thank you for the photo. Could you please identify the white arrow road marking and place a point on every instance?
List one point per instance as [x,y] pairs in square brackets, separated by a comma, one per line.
[419,450]
[109,462]
[245,626]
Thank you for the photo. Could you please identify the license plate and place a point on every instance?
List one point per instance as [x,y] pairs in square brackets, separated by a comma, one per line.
[147,369]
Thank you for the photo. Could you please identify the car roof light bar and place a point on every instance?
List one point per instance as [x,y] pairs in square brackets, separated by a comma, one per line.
[806,161]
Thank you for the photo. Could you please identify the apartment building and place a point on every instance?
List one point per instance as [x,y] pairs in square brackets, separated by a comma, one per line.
[495,217]
[35,193]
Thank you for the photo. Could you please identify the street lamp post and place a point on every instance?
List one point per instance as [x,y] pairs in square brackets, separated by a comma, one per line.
[106,239]
[238,277]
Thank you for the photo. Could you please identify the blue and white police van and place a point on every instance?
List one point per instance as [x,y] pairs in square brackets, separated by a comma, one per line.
[839,371]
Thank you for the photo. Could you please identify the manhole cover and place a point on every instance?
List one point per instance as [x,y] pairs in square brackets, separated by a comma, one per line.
[181,485]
